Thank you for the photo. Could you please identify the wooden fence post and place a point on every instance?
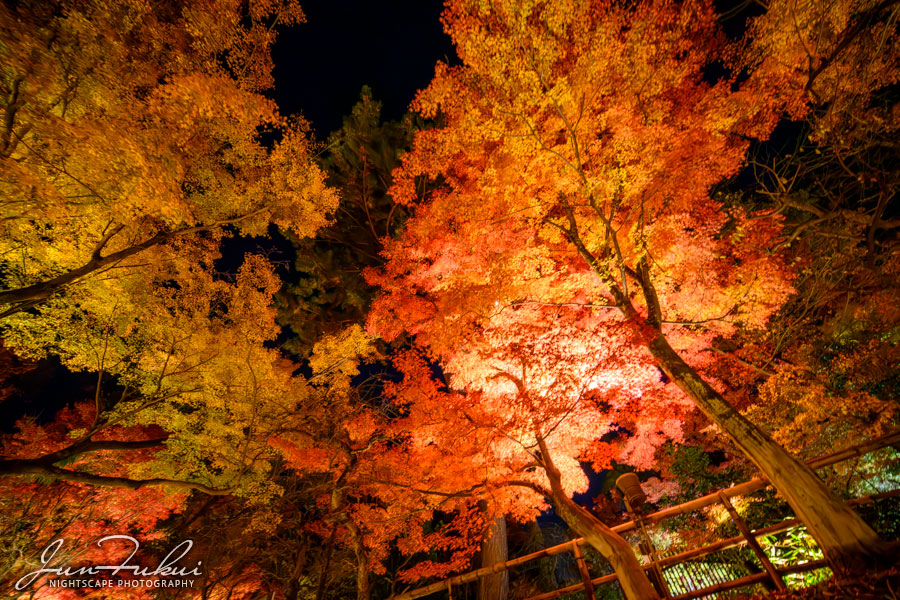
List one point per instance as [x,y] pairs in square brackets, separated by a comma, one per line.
[583,570]
[752,542]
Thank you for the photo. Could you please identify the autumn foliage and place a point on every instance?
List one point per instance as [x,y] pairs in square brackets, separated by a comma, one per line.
[567,271]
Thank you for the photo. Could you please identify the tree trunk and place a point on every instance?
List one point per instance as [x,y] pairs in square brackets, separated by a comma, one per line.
[849,544]
[339,510]
[612,546]
[493,551]
[323,575]
[362,561]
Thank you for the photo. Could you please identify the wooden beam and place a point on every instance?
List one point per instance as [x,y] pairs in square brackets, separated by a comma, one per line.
[655,574]
[725,544]
[742,489]
[677,558]
[721,587]
[583,571]
[489,570]
[575,588]
[734,583]
[751,579]
[753,543]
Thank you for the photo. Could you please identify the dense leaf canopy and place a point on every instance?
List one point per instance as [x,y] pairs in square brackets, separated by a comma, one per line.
[611,237]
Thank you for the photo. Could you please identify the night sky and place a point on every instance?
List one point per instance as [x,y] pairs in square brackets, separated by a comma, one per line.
[391,46]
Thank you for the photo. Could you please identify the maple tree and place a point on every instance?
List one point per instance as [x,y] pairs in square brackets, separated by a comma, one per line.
[165,353]
[324,443]
[351,443]
[115,143]
[823,369]
[559,283]
[202,421]
[131,148]
[514,439]
[35,513]
[131,139]
[579,148]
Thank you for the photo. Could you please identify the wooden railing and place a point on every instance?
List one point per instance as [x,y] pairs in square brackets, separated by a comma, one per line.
[655,565]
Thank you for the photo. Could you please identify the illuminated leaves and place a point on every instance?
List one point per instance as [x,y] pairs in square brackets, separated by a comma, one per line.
[597,123]
[840,53]
[128,129]
[132,139]
[336,358]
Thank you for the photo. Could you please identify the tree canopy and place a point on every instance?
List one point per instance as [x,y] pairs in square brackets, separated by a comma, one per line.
[652,237]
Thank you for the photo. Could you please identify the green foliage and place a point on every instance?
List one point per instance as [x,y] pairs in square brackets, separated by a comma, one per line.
[692,469]
[884,517]
[329,292]
[792,547]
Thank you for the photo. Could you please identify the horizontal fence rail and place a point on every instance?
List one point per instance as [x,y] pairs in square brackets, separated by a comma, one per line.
[747,538]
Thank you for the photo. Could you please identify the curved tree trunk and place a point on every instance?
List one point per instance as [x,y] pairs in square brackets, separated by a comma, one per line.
[848,543]
[493,551]
[612,546]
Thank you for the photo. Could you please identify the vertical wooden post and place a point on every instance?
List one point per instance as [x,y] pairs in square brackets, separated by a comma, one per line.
[583,570]
[449,590]
[752,542]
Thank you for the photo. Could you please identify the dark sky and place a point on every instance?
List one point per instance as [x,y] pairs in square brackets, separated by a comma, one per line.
[390,45]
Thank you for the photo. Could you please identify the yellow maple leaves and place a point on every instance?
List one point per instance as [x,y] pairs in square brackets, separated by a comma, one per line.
[131,140]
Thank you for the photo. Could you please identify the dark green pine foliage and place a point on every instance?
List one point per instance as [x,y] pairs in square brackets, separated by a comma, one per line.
[329,291]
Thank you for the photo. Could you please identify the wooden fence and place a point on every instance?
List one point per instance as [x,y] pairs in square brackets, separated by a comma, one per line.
[771,575]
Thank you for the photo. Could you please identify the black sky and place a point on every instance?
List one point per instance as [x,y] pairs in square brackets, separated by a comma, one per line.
[390,45]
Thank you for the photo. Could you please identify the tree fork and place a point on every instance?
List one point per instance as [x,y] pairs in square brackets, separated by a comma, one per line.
[30,295]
